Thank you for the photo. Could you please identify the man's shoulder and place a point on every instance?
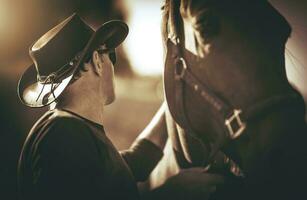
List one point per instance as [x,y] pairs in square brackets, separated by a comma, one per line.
[56,119]
[59,138]
[58,126]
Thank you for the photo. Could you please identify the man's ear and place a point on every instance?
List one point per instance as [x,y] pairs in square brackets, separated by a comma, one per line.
[97,63]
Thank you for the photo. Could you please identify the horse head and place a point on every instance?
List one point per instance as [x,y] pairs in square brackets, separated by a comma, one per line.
[225,78]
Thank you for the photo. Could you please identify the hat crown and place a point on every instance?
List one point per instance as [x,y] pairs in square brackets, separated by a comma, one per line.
[60,45]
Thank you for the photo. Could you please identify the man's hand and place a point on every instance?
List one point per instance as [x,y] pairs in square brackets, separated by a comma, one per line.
[194,183]
[191,184]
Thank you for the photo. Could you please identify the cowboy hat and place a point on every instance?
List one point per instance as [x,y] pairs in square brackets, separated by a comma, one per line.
[58,54]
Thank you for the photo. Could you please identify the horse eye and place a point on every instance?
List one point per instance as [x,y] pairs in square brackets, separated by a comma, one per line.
[207,24]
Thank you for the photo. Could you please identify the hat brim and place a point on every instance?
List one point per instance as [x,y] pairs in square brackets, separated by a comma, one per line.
[36,94]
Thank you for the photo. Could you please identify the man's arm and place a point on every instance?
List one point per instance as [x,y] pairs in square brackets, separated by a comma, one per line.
[147,149]
[192,183]
[156,130]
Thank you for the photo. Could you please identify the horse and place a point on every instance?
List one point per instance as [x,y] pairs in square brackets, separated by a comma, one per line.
[231,108]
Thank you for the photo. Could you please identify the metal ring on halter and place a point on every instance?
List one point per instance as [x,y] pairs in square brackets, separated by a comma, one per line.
[181,67]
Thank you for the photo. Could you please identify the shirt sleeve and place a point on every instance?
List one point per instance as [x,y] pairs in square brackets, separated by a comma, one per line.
[142,157]
[67,164]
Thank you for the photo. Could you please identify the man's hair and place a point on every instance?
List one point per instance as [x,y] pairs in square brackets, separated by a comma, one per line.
[62,99]
[81,68]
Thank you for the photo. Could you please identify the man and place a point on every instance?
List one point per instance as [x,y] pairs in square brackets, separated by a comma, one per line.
[67,154]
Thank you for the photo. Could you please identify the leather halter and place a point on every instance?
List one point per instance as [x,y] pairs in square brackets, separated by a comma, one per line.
[228,115]
[233,121]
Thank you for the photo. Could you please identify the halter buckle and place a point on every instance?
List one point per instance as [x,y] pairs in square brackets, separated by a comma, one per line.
[235,119]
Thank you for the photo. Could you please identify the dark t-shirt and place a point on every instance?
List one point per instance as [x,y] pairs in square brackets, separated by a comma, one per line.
[66,156]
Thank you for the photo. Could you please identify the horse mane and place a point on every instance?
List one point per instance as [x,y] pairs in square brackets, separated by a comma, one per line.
[255,17]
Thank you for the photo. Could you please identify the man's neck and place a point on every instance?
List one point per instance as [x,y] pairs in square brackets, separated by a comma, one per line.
[92,115]
[86,103]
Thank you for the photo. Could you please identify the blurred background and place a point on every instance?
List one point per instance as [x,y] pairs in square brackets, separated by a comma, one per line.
[138,70]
